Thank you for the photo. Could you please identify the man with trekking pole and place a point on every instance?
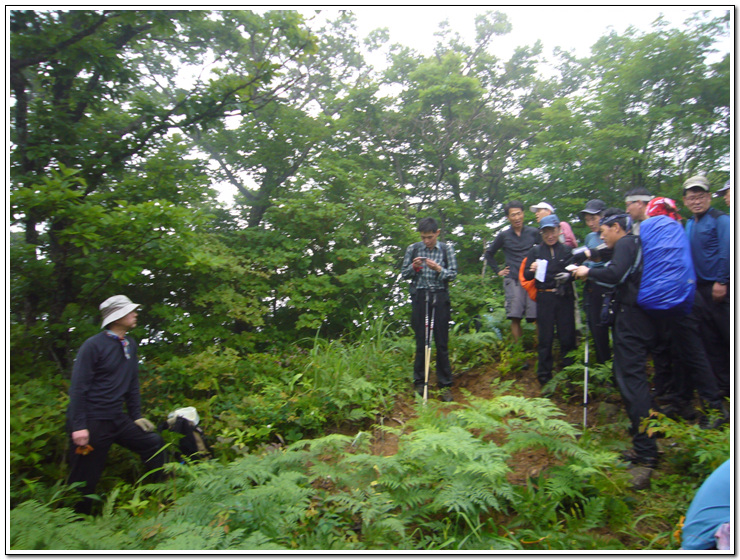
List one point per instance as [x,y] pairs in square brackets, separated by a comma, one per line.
[430,265]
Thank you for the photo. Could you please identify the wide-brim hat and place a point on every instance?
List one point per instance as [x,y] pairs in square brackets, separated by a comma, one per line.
[116,307]
[542,206]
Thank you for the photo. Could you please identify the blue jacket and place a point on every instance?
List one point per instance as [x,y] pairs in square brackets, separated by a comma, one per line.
[709,509]
[709,238]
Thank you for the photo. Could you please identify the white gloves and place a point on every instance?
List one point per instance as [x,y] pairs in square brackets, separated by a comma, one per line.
[145,424]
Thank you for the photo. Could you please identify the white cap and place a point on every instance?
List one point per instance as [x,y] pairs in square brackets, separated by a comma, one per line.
[542,206]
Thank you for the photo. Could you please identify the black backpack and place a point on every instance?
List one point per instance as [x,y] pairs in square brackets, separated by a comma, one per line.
[193,444]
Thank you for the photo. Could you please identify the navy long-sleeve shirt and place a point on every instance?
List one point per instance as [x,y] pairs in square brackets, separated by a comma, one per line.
[709,238]
[103,380]
[515,248]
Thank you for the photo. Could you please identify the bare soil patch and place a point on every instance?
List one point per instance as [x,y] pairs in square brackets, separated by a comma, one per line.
[477,382]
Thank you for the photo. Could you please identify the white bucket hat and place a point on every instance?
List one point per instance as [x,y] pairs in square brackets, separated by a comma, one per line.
[116,307]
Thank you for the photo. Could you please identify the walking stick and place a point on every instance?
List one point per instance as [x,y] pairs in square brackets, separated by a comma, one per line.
[427,353]
[585,387]
[428,350]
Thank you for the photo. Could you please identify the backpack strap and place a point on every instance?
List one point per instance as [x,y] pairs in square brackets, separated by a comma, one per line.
[442,247]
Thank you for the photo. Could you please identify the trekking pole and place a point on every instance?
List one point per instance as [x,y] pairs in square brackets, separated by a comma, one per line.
[585,387]
[427,353]
[429,348]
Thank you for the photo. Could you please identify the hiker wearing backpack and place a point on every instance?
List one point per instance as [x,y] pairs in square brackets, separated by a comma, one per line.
[105,376]
[708,231]
[515,241]
[635,203]
[567,236]
[555,297]
[634,334]
[668,292]
[430,265]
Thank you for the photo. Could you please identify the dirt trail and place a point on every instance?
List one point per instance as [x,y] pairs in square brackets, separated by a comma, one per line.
[478,383]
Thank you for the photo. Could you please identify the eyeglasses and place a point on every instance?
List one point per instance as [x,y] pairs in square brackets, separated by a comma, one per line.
[695,197]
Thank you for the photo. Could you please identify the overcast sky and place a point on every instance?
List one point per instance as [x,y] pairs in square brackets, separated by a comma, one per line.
[574,28]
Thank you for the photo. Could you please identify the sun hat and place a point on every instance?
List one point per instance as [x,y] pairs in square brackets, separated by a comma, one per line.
[549,221]
[116,307]
[699,181]
[542,206]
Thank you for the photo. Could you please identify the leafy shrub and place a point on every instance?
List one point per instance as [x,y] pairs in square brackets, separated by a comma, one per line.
[38,440]
[695,451]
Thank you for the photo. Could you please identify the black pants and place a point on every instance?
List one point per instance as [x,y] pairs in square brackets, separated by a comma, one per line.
[554,312]
[714,318]
[691,370]
[425,301]
[593,296]
[635,334]
[104,433]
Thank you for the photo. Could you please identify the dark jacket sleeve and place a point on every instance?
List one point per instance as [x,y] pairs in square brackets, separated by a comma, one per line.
[82,371]
[723,234]
[625,253]
[491,252]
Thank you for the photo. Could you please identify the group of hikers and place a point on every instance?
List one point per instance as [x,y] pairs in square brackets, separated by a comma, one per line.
[688,338]
[689,344]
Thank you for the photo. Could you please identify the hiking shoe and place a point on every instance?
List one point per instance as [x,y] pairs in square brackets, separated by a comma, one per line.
[419,388]
[640,477]
[543,378]
[636,460]
[446,395]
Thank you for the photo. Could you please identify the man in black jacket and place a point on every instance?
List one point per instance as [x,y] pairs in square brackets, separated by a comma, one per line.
[635,332]
[555,297]
[105,376]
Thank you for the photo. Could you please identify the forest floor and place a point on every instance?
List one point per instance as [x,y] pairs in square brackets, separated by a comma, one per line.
[478,383]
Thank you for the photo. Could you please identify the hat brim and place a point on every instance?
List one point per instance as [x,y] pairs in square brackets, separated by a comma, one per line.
[118,314]
[696,186]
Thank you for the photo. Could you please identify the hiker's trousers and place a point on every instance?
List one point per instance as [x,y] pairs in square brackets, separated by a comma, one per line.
[439,302]
[103,434]
[635,334]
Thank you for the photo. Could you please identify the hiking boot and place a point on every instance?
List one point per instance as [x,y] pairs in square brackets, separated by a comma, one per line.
[640,477]
[636,460]
[419,388]
[543,378]
[446,395]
